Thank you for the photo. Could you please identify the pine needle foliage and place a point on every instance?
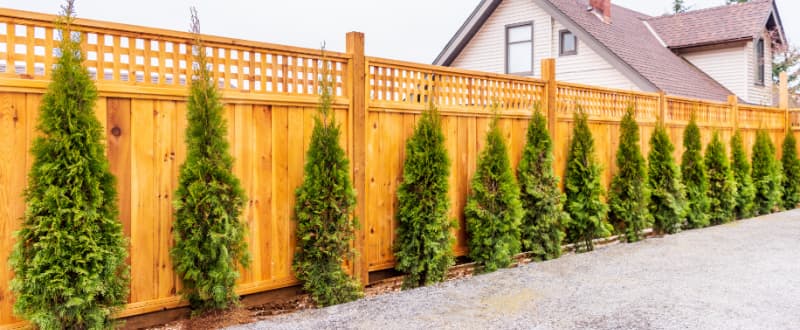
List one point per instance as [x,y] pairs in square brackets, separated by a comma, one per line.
[323,209]
[209,236]
[493,211]
[791,172]
[667,193]
[765,174]
[69,259]
[721,185]
[629,195]
[583,189]
[424,239]
[542,226]
[693,171]
[745,192]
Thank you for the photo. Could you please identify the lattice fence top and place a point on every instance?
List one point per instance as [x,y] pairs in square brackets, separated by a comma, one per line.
[130,55]
[605,104]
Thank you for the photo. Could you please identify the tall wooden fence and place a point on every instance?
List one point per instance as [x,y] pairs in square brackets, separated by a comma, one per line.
[269,92]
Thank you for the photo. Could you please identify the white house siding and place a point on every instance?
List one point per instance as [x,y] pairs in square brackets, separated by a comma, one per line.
[486,50]
[725,66]
[757,94]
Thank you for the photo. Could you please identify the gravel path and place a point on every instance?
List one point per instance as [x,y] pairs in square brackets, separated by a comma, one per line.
[744,275]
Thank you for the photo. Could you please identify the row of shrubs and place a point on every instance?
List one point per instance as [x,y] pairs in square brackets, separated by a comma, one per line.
[70,257]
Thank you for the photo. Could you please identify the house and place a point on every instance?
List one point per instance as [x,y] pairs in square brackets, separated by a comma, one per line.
[708,54]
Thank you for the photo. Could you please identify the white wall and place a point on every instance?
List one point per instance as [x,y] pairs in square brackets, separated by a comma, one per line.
[725,66]
[757,94]
[486,50]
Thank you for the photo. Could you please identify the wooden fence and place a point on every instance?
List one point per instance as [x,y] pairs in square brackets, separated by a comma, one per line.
[269,92]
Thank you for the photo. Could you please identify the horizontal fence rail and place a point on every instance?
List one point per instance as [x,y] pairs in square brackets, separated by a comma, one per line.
[270,95]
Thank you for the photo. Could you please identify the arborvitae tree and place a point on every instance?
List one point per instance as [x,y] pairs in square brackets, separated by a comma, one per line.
[721,185]
[209,236]
[323,210]
[629,195]
[69,259]
[583,189]
[667,193]
[745,192]
[693,171]
[766,180]
[494,212]
[791,172]
[542,200]
[424,239]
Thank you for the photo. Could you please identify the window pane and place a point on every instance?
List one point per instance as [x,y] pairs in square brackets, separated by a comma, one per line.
[520,57]
[567,42]
[519,33]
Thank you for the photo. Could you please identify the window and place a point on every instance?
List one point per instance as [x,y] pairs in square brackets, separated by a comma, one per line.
[760,62]
[568,43]
[519,48]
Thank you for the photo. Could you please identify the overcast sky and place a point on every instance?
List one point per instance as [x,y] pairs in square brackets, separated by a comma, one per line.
[413,30]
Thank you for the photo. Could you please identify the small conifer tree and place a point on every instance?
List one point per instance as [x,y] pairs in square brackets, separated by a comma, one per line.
[323,210]
[721,185]
[542,200]
[209,236]
[745,192]
[667,193]
[629,195]
[493,211]
[69,259]
[791,172]
[693,171]
[424,239]
[766,177]
[583,189]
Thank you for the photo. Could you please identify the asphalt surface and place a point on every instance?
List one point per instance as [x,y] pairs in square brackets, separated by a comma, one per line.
[743,275]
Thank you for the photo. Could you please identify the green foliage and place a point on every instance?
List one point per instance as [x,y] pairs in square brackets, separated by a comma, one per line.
[693,171]
[745,192]
[542,200]
[628,196]
[678,6]
[791,172]
[766,174]
[493,211]
[667,193]
[69,259]
[583,189]
[209,236]
[323,210]
[424,240]
[721,185]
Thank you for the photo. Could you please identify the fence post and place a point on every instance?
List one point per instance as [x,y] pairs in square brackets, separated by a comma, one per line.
[784,100]
[357,116]
[662,108]
[733,100]
[549,77]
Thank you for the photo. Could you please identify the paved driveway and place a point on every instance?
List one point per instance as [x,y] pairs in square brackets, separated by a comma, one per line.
[744,275]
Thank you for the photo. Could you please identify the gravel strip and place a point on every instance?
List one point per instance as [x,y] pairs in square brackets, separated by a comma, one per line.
[743,275]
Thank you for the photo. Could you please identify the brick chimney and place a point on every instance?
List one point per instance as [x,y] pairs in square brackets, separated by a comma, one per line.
[603,8]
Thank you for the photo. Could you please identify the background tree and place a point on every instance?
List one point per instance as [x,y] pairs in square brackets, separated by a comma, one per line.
[766,179]
[424,241]
[494,212]
[787,60]
[693,171]
[791,172]
[583,189]
[745,192]
[729,2]
[721,185]
[323,210]
[69,259]
[209,236]
[542,200]
[678,7]
[628,196]
[667,193]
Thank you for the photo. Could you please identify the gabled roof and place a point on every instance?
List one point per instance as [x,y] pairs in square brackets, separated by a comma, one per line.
[744,21]
[628,44]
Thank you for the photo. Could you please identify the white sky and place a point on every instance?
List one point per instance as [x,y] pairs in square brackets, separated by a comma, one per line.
[413,30]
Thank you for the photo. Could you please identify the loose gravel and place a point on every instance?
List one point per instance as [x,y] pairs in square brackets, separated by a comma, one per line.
[743,275]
